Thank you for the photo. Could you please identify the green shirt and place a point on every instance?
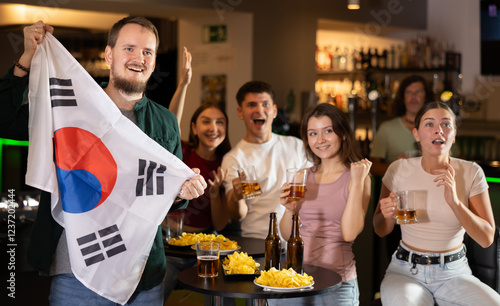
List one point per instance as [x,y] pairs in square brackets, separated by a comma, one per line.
[153,119]
[392,139]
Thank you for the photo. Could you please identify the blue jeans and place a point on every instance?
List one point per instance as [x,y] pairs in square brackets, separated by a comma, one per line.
[67,290]
[346,295]
[445,284]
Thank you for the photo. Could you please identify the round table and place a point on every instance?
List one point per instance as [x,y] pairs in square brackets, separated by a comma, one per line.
[252,246]
[225,286]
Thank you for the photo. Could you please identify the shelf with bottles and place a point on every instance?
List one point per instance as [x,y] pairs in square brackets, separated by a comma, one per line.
[382,83]
[363,82]
[385,70]
[421,52]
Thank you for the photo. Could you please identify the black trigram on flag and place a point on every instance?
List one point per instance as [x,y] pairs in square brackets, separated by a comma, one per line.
[95,247]
[150,178]
[61,92]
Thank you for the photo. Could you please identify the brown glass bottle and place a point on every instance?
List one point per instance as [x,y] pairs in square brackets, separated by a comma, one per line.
[295,247]
[273,244]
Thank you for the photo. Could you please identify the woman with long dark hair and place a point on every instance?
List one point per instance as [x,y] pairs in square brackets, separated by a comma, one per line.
[336,201]
[429,266]
[207,145]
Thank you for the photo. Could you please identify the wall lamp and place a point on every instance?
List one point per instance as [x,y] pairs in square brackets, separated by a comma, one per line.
[353,4]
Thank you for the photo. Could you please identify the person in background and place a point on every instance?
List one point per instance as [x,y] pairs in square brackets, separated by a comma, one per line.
[131,54]
[328,227]
[394,139]
[271,154]
[208,213]
[430,265]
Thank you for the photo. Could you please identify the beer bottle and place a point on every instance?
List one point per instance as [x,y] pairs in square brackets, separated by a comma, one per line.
[295,247]
[273,244]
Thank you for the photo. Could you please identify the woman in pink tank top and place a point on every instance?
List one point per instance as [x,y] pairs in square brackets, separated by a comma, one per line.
[333,211]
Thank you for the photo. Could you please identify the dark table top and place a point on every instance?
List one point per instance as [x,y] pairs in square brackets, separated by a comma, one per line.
[324,281]
[252,246]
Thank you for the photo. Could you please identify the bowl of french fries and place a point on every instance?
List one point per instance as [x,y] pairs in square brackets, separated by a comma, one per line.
[285,279]
[240,265]
[190,239]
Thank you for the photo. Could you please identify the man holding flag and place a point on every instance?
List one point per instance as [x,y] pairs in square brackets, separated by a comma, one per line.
[113,184]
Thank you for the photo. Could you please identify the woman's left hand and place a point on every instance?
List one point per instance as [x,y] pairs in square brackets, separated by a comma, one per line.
[360,169]
[219,177]
[446,178]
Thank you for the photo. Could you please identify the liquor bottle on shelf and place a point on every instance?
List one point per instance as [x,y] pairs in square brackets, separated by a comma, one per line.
[366,58]
[324,61]
[382,60]
[457,99]
[428,56]
[386,96]
[436,63]
[272,252]
[336,60]
[396,61]
[435,87]
[342,60]
[295,247]
[331,57]
[374,58]
[316,58]
[404,61]
[358,59]
[365,144]
[389,62]
[350,58]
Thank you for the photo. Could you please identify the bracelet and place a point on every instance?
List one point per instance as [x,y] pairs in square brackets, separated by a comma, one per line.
[178,199]
[27,70]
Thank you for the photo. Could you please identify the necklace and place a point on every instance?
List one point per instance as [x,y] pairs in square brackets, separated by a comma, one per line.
[409,121]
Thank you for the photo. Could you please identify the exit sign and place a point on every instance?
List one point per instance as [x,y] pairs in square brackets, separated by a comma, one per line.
[214,34]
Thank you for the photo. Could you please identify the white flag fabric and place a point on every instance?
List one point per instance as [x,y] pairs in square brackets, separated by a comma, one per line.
[111,184]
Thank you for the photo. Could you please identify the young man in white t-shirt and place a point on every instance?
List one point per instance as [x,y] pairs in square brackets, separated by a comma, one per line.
[271,154]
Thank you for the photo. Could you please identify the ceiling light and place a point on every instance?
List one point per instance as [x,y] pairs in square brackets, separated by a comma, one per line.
[353,4]
[20,14]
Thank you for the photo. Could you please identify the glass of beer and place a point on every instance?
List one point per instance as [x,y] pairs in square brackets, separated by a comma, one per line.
[174,224]
[207,255]
[249,183]
[406,207]
[297,180]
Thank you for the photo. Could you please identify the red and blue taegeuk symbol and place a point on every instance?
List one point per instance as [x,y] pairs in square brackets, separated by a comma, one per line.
[86,170]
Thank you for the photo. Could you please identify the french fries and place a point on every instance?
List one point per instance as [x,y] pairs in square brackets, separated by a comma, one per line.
[240,263]
[191,238]
[284,278]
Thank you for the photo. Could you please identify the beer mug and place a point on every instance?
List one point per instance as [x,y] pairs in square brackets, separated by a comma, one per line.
[406,207]
[207,255]
[249,183]
[297,180]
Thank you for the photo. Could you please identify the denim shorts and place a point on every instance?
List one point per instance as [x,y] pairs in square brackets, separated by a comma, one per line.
[445,284]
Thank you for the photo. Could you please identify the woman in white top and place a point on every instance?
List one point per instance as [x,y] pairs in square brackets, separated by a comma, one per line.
[429,266]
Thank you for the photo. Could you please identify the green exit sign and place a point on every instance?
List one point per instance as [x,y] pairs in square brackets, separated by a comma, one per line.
[214,34]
